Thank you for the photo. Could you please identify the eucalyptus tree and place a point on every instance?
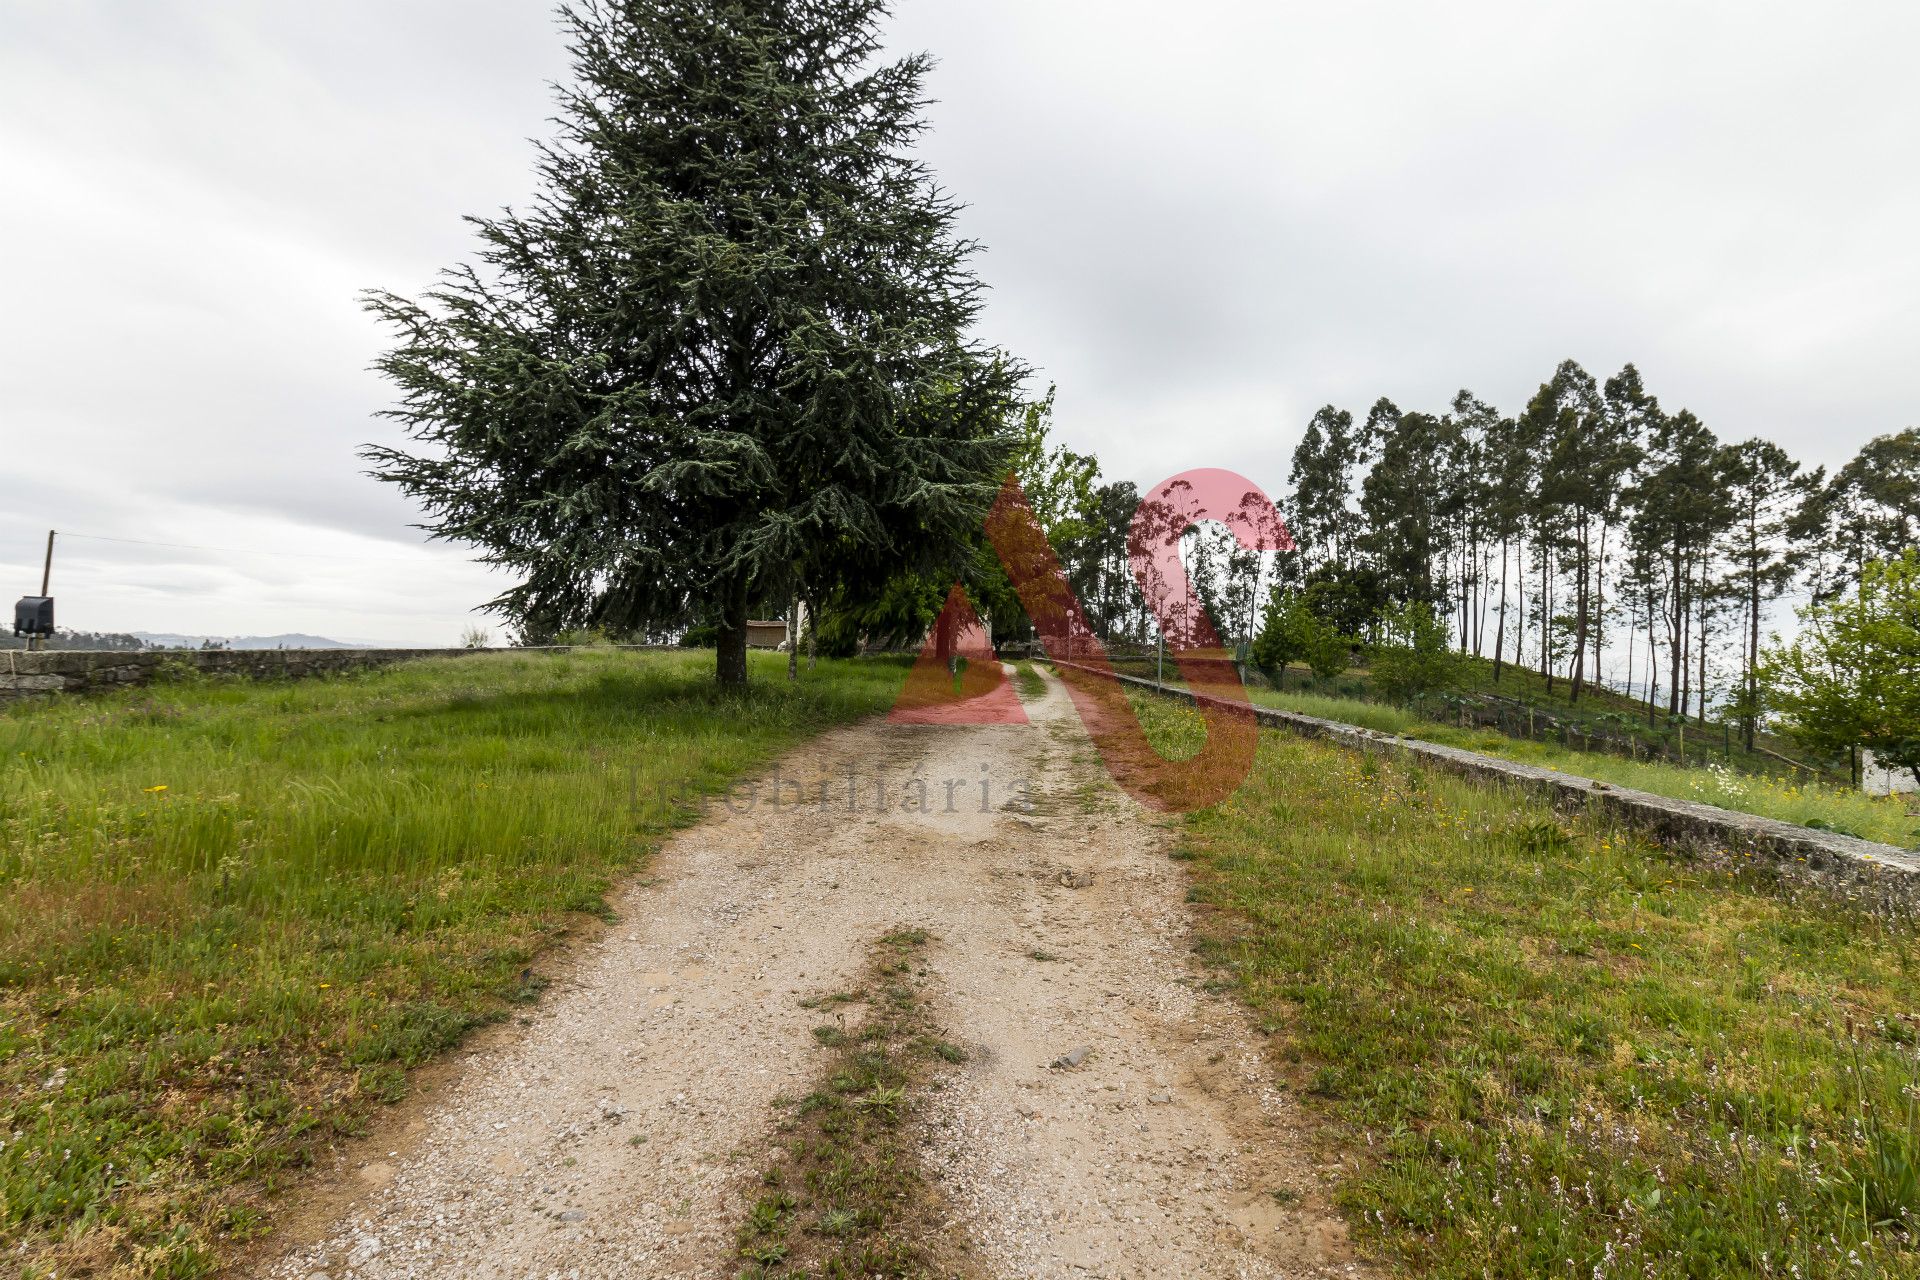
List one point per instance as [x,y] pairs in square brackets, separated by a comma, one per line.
[1679,508]
[1869,510]
[1511,480]
[1551,427]
[1325,522]
[728,342]
[1613,451]
[1403,500]
[1466,494]
[1766,490]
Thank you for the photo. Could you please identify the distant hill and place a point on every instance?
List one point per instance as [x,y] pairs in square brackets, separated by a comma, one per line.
[165,640]
[63,639]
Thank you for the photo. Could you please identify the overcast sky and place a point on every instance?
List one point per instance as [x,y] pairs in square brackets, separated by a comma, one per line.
[1201,228]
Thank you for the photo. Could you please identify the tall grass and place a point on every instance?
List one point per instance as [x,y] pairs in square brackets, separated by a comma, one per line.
[1881,818]
[1552,1049]
[232,914]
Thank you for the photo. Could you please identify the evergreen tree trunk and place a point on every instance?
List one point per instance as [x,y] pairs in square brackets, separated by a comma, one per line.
[813,631]
[1753,659]
[1633,634]
[1546,618]
[1676,647]
[1653,665]
[1703,645]
[1600,607]
[793,638]
[1500,630]
[1578,673]
[730,667]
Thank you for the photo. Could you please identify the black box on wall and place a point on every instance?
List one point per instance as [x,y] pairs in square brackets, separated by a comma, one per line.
[33,616]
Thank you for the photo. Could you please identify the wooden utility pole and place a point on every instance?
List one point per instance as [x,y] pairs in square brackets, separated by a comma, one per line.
[37,643]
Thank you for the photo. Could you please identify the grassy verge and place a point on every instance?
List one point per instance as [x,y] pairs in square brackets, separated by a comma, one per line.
[1552,1049]
[844,1196]
[1810,804]
[232,914]
[1029,682]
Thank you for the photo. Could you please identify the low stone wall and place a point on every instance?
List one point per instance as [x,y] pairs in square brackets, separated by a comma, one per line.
[1862,868]
[27,675]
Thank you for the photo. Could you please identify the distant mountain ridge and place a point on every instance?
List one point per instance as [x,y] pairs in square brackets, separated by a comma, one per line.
[294,640]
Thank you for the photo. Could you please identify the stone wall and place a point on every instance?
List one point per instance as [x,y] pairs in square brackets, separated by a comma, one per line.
[1862,869]
[1879,780]
[27,675]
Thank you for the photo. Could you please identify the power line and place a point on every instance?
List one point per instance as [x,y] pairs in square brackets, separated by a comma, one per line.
[238,551]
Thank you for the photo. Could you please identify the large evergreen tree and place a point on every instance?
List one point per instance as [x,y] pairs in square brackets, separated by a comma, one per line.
[1870,509]
[1322,517]
[726,352]
[1404,501]
[1766,488]
[1680,507]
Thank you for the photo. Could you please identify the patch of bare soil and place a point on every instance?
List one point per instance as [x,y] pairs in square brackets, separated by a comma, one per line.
[1112,1118]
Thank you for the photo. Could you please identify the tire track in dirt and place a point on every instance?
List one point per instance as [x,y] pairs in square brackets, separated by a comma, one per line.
[615,1135]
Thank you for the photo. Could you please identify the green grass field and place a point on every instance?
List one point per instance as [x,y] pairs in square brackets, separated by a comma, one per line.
[1548,1048]
[1881,818]
[233,914]
[1601,712]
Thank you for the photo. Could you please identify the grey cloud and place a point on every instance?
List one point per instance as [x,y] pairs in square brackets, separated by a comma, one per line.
[1201,223]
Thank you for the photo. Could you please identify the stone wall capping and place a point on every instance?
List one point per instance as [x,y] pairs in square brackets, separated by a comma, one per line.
[1835,860]
[57,671]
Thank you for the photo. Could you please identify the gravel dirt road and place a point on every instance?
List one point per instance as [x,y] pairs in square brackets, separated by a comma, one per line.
[616,1132]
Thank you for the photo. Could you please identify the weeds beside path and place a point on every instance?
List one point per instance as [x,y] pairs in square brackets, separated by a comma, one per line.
[845,1195]
[1552,1048]
[232,914]
[1808,803]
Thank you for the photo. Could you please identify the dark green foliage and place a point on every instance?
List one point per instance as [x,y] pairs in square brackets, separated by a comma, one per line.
[1848,679]
[723,355]
[1870,510]
[1413,657]
[1401,498]
[1349,598]
[1323,522]
[1767,490]
[1680,509]
[1292,632]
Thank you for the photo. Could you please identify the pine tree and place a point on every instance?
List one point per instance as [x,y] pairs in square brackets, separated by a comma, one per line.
[1870,510]
[1680,507]
[1322,480]
[1766,489]
[1403,500]
[1510,481]
[1466,494]
[1551,427]
[724,356]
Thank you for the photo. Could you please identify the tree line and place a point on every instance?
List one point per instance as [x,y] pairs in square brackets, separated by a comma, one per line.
[1591,527]
[724,364]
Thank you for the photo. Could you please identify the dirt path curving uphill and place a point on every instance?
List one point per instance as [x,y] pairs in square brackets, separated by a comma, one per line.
[616,1134]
